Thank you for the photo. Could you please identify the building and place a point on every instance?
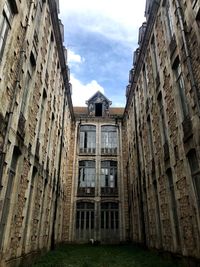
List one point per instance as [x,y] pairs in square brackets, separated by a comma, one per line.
[98,197]
[35,129]
[71,174]
[162,125]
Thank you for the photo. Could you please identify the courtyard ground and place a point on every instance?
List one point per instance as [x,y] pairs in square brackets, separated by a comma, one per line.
[104,256]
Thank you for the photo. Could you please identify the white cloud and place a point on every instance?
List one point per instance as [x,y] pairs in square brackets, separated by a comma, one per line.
[116,20]
[82,92]
[73,57]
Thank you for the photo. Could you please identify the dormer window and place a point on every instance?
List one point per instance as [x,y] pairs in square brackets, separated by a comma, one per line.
[98,109]
[98,105]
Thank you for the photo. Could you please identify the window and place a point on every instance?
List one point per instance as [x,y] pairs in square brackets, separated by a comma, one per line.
[9,187]
[26,92]
[195,172]
[87,174]
[169,22]
[109,174]
[50,141]
[84,215]
[109,215]
[154,57]
[145,80]
[49,56]
[5,25]
[150,138]
[41,118]
[181,87]
[109,139]
[87,139]
[162,118]
[98,109]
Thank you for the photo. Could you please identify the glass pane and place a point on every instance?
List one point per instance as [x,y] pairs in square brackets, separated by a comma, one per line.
[92,219]
[77,219]
[102,219]
[87,219]
[107,219]
[193,162]
[82,219]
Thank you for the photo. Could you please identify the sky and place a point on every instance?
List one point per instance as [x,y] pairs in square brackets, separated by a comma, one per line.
[101,36]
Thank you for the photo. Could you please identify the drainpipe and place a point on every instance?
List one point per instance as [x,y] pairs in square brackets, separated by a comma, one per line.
[15,90]
[188,57]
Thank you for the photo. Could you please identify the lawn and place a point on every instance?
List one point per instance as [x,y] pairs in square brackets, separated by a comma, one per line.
[103,256]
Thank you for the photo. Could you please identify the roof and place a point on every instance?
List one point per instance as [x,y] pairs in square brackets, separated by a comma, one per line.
[98,95]
[113,111]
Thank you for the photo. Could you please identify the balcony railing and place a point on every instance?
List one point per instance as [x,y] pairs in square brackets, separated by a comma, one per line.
[112,151]
[86,191]
[109,191]
[87,150]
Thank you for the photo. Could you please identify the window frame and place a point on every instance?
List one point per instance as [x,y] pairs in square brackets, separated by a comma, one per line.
[87,139]
[180,83]
[109,216]
[195,172]
[5,25]
[109,139]
[109,170]
[86,179]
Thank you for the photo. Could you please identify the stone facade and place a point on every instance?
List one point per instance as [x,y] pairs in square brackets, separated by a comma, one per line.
[107,174]
[98,197]
[35,129]
[162,126]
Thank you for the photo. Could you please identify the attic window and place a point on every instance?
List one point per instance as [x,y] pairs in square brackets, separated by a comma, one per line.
[98,109]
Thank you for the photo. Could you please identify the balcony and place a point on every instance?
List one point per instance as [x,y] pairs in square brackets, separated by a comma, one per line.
[109,191]
[86,192]
[87,150]
[21,126]
[110,151]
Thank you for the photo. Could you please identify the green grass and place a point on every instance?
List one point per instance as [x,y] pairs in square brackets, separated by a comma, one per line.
[102,256]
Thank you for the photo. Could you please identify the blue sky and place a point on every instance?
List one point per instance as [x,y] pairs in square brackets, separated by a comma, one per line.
[100,36]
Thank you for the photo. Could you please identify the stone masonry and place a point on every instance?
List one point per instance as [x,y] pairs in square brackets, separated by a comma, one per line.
[145,158]
[162,124]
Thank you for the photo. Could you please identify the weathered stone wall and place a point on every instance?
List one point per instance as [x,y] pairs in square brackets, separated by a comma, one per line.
[163,192]
[35,120]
